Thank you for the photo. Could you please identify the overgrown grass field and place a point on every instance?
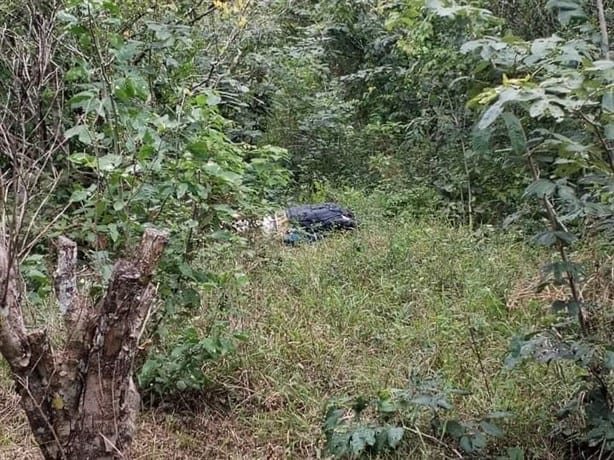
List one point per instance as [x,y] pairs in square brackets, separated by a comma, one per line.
[355,315]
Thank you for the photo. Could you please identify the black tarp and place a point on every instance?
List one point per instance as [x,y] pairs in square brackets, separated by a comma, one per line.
[315,220]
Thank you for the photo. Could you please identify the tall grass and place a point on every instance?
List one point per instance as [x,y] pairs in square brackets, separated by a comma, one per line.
[356,314]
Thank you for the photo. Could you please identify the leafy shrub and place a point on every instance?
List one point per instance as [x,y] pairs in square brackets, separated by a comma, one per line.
[556,108]
[359,425]
[415,201]
[180,368]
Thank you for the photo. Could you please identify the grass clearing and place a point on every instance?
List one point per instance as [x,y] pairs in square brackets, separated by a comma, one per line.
[356,314]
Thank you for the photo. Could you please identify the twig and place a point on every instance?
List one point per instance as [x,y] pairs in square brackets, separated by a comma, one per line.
[478,355]
[556,225]
[434,439]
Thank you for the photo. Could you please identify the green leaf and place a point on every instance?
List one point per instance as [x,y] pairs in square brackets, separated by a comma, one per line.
[113,232]
[478,441]
[357,442]
[109,162]
[82,133]
[67,18]
[84,159]
[199,149]
[333,416]
[608,361]
[538,108]
[454,429]
[215,170]
[516,133]
[607,102]
[387,406]
[566,193]
[603,64]
[608,131]
[79,195]
[465,444]
[394,436]
[491,429]
[565,237]
[481,140]
[119,204]
[213,99]
[540,188]
[490,115]
[515,453]
[181,385]
[182,189]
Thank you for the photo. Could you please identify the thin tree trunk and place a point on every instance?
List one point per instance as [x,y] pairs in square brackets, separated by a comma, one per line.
[80,400]
[603,27]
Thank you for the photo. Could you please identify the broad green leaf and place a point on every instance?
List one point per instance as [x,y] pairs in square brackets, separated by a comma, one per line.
[119,204]
[466,444]
[333,416]
[478,441]
[516,133]
[538,108]
[443,404]
[604,64]
[608,362]
[82,132]
[607,102]
[547,238]
[67,18]
[608,131]
[221,235]
[109,162]
[79,195]
[566,10]
[368,435]
[199,149]
[540,188]
[214,169]
[565,237]
[491,115]
[491,429]
[357,443]
[394,435]
[481,140]
[113,232]
[387,406]
[454,429]
[213,99]
[566,193]
[182,189]
[515,453]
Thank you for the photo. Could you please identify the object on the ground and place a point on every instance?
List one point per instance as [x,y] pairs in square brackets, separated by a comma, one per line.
[312,222]
[304,223]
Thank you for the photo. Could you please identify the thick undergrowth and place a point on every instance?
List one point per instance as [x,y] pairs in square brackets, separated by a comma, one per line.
[356,315]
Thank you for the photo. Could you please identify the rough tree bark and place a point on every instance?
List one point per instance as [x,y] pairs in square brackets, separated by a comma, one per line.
[80,399]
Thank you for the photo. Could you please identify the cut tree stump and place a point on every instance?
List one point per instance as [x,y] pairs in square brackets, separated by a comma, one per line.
[81,400]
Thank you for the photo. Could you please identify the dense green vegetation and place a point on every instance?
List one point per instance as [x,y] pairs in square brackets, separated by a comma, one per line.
[470,314]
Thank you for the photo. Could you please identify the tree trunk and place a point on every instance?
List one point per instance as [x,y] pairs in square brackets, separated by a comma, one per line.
[80,400]
[603,28]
